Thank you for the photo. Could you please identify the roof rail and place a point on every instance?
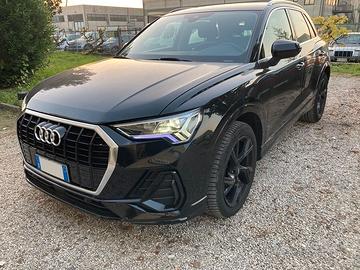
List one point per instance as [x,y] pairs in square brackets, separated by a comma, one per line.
[271,2]
[177,9]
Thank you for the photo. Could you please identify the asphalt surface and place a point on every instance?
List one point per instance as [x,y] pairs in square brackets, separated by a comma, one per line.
[302,212]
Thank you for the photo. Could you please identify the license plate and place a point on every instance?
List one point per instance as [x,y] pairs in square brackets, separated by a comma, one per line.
[53,168]
[342,59]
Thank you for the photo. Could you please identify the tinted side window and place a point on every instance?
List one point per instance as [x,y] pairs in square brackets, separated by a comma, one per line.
[278,27]
[301,29]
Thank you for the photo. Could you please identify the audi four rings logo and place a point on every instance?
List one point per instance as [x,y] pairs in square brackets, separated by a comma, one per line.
[49,133]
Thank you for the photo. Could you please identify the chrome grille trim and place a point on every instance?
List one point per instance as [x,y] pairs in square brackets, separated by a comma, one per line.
[113,153]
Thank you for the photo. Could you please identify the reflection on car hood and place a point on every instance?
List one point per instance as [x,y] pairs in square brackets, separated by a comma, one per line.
[120,89]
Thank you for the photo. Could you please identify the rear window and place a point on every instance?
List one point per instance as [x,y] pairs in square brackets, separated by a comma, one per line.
[300,26]
[311,28]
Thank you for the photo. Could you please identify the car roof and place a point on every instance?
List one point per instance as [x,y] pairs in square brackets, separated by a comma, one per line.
[246,5]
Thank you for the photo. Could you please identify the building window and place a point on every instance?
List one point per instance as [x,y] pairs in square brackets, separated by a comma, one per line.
[331,2]
[137,18]
[75,18]
[97,17]
[119,18]
[58,19]
[309,2]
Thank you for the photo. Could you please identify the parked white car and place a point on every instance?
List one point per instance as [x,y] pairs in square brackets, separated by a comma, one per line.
[85,42]
[346,48]
[64,41]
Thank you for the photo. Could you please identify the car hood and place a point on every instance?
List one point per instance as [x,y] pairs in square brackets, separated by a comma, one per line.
[343,46]
[77,41]
[119,89]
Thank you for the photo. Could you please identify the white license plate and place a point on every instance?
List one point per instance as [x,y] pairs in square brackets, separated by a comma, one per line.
[53,168]
[342,59]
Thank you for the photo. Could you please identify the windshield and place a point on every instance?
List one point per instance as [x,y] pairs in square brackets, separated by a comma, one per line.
[209,37]
[73,37]
[350,39]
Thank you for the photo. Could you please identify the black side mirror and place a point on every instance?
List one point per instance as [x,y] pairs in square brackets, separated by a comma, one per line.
[281,49]
[285,49]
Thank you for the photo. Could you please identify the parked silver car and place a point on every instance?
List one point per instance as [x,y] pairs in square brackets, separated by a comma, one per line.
[64,41]
[84,43]
[346,48]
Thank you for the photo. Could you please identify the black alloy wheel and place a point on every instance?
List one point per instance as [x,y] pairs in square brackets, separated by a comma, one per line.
[317,110]
[321,97]
[239,171]
[233,170]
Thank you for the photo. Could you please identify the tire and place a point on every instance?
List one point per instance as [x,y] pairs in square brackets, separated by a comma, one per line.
[317,110]
[226,179]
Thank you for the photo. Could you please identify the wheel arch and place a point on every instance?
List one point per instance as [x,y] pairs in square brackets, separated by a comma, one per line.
[254,121]
[325,69]
[251,114]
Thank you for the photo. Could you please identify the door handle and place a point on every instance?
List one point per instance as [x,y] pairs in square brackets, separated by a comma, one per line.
[300,66]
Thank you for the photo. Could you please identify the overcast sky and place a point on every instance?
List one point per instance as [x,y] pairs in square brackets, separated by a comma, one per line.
[116,3]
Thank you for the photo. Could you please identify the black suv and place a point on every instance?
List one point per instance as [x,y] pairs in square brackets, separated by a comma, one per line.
[172,126]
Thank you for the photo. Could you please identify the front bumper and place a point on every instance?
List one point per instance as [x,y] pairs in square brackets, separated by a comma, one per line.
[151,182]
[132,210]
[348,59]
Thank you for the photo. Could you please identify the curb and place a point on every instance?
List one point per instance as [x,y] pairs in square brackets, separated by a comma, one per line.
[9,107]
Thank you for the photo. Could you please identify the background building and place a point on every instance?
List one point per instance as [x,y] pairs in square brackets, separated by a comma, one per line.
[74,18]
[155,8]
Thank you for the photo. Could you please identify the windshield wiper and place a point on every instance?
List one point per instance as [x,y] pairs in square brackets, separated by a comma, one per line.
[171,59]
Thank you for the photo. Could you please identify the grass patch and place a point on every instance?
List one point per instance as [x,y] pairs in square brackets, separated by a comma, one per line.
[342,68]
[57,62]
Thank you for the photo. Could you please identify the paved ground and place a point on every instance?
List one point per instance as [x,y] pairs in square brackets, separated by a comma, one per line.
[303,211]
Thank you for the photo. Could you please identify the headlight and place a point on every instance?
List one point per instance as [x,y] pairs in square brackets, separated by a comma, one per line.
[23,104]
[175,129]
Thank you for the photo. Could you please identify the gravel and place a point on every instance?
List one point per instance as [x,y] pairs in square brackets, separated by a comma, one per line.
[302,212]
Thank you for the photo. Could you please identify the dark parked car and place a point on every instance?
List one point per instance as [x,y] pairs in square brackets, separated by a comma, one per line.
[112,45]
[173,126]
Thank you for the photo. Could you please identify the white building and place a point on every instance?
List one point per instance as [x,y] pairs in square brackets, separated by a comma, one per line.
[74,18]
[350,8]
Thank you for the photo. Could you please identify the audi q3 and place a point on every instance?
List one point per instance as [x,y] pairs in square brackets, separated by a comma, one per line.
[173,126]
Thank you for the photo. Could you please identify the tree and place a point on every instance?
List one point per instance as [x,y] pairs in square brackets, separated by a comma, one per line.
[329,28]
[93,41]
[54,6]
[25,39]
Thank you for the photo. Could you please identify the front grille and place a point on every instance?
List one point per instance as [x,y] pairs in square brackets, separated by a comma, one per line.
[343,53]
[84,152]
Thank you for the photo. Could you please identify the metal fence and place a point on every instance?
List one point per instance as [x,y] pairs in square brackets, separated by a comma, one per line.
[103,41]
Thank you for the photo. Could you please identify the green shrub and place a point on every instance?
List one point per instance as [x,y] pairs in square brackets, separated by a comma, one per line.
[25,39]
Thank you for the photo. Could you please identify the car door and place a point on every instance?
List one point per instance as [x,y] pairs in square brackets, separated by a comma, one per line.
[280,84]
[306,37]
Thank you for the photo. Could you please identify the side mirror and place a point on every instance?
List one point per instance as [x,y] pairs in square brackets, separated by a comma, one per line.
[280,49]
